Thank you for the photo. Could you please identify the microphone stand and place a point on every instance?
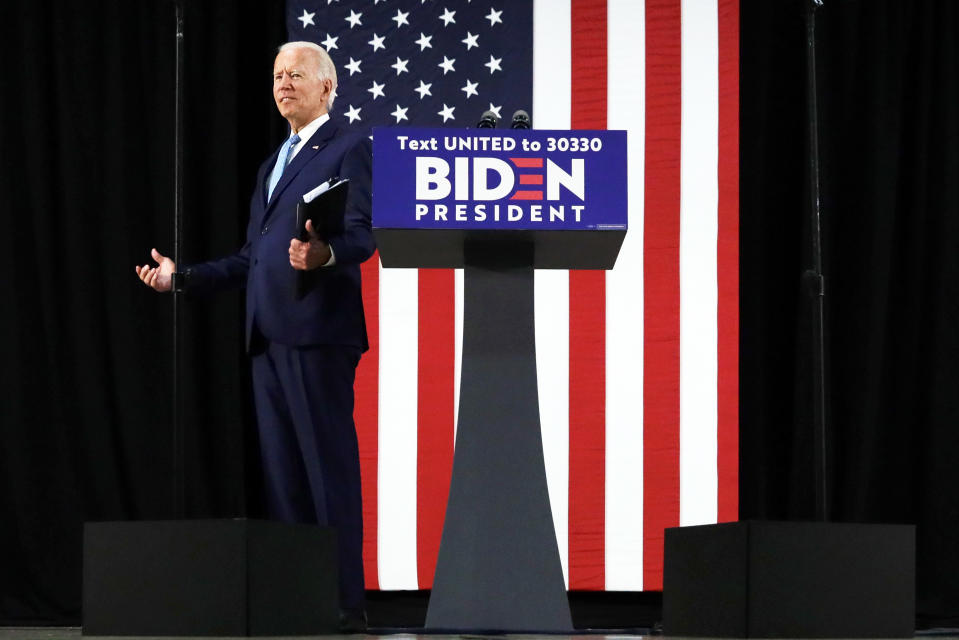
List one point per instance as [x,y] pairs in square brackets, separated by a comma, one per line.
[814,276]
[179,510]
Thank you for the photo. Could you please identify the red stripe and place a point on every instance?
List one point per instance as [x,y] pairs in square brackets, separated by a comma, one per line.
[587,329]
[728,262]
[527,163]
[529,178]
[434,444]
[366,415]
[661,280]
[527,195]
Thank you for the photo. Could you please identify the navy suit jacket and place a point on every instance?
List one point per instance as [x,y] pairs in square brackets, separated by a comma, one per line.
[331,313]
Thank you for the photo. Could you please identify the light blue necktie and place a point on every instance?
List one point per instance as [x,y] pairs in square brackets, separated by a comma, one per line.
[282,159]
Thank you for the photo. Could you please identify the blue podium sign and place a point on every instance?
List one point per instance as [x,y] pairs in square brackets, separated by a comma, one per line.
[435,188]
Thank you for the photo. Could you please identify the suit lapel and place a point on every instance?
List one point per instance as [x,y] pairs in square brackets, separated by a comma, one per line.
[263,176]
[313,146]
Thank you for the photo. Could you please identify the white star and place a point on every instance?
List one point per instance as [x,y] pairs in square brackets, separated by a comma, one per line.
[377,42]
[354,66]
[400,66]
[470,88]
[353,113]
[354,19]
[494,17]
[495,110]
[400,113]
[307,18]
[447,112]
[400,18]
[447,65]
[470,41]
[377,90]
[493,64]
[423,89]
[330,42]
[424,41]
[447,17]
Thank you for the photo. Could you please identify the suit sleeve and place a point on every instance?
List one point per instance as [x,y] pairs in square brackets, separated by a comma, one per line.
[356,244]
[216,275]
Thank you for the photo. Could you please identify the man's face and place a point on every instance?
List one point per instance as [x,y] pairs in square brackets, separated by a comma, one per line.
[299,94]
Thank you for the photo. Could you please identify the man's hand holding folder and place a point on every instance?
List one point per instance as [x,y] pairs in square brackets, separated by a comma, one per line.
[309,251]
[319,217]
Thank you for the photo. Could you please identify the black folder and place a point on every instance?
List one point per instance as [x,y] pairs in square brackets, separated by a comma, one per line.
[326,211]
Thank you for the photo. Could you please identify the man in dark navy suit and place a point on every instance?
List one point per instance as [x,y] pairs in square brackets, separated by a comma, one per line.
[304,350]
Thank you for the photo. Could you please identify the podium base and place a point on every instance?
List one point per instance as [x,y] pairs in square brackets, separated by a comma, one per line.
[790,580]
[208,578]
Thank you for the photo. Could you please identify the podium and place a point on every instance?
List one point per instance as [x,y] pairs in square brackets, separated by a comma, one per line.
[499,204]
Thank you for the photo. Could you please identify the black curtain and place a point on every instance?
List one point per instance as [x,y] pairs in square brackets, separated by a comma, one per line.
[86,155]
[889,121]
[86,141]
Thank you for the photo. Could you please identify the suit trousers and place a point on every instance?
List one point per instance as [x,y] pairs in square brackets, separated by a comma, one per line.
[308,445]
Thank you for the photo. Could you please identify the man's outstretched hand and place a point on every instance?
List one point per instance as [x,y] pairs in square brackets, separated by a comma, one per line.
[159,277]
[311,254]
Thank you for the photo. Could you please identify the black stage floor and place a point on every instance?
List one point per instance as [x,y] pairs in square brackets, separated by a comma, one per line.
[71,633]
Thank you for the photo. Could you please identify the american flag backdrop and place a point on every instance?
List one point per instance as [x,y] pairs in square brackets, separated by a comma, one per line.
[638,366]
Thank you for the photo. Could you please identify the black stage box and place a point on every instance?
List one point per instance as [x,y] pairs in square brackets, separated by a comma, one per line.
[790,580]
[208,578]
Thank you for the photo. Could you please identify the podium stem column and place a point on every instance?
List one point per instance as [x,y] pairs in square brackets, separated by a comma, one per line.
[499,566]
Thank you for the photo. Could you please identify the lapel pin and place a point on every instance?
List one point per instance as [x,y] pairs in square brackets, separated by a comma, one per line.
[316,146]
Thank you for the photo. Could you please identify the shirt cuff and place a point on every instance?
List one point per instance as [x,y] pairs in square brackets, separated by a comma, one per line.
[332,261]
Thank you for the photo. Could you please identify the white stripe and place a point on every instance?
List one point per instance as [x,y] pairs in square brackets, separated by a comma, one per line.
[396,480]
[552,56]
[458,344]
[626,81]
[698,296]
[551,302]
[551,109]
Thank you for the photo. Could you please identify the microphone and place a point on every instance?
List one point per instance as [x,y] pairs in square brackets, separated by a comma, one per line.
[520,120]
[487,121]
